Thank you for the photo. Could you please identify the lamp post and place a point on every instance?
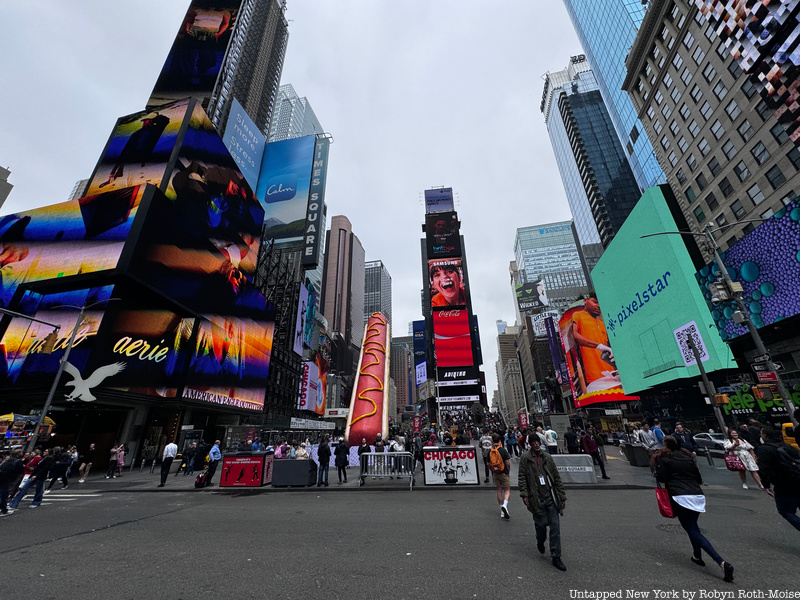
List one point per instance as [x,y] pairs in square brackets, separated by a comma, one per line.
[735,292]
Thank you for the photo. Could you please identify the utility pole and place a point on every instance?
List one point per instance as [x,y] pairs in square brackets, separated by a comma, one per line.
[709,389]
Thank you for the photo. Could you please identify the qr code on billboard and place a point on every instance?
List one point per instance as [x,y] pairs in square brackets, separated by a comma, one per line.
[682,337]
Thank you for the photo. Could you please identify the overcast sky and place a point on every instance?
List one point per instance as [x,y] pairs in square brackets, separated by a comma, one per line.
[416,94]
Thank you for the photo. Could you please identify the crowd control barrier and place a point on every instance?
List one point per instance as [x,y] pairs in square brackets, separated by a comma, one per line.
[387,465]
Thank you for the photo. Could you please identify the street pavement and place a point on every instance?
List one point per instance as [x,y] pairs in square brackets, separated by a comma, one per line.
[126,538]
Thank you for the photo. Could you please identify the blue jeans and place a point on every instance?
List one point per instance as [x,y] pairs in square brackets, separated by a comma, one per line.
[549,518]
[688,519]
[787,507]
[323,474]
[37,494]
[189,470]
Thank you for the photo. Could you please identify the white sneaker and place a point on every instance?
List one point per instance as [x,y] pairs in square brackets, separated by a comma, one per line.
[47,491]
[81,480]
[504,512]
[744,486]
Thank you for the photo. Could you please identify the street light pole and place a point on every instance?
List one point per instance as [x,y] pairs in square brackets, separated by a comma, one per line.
[709,390]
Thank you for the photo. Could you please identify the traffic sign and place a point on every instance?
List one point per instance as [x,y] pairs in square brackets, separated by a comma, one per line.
[778,366]
[767,376]
[761,358]
[760,367]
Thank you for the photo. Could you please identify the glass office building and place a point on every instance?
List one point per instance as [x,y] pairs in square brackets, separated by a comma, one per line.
[607,30]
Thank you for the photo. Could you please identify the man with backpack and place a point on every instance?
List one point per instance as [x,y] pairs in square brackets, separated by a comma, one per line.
[500,466]
[779,467]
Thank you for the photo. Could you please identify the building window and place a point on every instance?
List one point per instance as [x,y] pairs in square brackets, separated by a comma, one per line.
[734,69]
[683,145]
[721,220]
[698,55]
[756,195]
[779,133]
[656,52]
[710,34]
[677,61]
[788,197]
[703,147]
[634,134]
[767,213]
[684,111]
[690,195]
[738,209]
[731,241]
[674,129]
[760,153]
[775,177]
[717,129]
[694,128]
[699,214]
[657,126]
[696,93]
[680,176]
[673,160]
[675,94]
[688,40]
[749,88]
[725,187]
[763,110]
[686,76]
[674,13]
[794,156]
[720,91]
[741,171]
[701,181]
[629,147]
[745,130]
[666,111]
[659,97]
[733,110]
[706,111]
[650,112]
[692,162]
[711,200]
[722,51]
[667,80]
[665,143]
[729,149]
[714,166]
[709,73]
[748,228]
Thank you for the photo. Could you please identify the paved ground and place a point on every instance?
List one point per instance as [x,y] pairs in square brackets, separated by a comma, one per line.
[108,542]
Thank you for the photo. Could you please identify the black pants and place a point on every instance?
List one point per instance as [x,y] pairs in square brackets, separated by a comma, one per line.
[59,473]
[212,468]
[342,473]
[112,468]
[165,465]
[599,460]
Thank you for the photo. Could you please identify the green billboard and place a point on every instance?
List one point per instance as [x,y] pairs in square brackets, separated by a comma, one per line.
[651,302]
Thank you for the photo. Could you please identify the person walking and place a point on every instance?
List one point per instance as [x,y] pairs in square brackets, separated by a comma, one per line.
[685,438]
[677,470]
[86,464]
[551,437]
[120,459]
[10,470]
[112,462]
[543,493]
[486,445]
[571,439]
[214,456]
[742,449]
[780,474]
[63,460]
[37,479]
[591,448]
[419,455]
[363,460]
[658,432]
[342,453]
[511,442]
[324,456]
[648,438]
[500,465]
[189,455]
[170,452]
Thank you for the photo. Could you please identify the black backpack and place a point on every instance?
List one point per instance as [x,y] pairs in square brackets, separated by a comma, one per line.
[789,466]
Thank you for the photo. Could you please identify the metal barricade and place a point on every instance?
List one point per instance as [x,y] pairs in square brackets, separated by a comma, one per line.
[387,465]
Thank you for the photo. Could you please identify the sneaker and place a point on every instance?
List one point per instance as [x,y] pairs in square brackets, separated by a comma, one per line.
[47,492]
[160,485]
[728,568]
[504,511]
[558,564]
[486,480]
[540,547]
[606,477]
[34,506]
[63,487]
[699,562]
[744,487]
[81,481]
[3,514]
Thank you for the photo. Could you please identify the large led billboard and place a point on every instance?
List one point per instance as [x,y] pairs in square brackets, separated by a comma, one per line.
[315,211]
[442,235]
[438,200]
[647,290]
[300,322]
[452,338]
[767,263]
[309,386]
[283,186]
[420,352]
[195,59]
[446,277]
[532,296]
[245,142]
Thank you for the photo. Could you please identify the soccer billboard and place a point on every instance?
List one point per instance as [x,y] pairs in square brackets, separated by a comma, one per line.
[446,277]
[532,296]
[245,142]
[195,59]
[442,235]
[651,302]
[439,200]
[452,338]
[767,263]
[283,186]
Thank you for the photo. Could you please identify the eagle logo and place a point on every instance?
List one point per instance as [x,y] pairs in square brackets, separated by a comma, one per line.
[82,387]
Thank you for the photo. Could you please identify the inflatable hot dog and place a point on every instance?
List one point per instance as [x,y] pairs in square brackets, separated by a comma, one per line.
[369,405]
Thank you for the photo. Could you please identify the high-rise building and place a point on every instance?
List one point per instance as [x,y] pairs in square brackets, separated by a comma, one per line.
[549,257]
[377,290]
[606,30]
[509,377]
[600,185]
[5,187]
[401,370]
[293,116]
[342,300]
[726,155]
[79,189]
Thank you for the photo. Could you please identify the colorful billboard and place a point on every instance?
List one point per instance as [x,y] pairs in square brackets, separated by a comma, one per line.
[767,263]
[315,211]
[452,338]
[283,186]
[245,142]
[651,302]
[195,59]
[139,149]
[532,296]
[300,322]
[420,352]
[447,283]
[311,315]
[309,387]
[322,388]
[443,235]
[439,200]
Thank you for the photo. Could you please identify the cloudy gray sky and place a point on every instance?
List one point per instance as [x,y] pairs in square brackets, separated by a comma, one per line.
[416,94]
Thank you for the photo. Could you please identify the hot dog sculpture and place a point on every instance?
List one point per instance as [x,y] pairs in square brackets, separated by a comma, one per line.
[369,405]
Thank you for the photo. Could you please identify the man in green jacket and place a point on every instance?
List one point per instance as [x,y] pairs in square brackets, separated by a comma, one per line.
[543,493]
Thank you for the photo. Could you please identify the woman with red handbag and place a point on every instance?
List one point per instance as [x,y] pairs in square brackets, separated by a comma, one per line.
[737,448]
[676,469]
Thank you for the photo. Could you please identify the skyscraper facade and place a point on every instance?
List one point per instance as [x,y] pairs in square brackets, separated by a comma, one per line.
[606,30]
[293,116]
[377,290]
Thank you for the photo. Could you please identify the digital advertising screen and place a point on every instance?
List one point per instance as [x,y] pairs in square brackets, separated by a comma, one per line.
[532,296]
[452,339]
[446,278]
[442,235]
[139,149]
[311,315]
[767,263]
[283,186]
[309,386]
[656,296]
[69,238]
[245,142]
[300,323]
[420,352]
[322,388]
[439,200]
[195,59]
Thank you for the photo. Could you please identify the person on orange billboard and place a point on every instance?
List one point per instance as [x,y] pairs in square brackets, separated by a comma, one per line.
[447,284]
[589,333]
